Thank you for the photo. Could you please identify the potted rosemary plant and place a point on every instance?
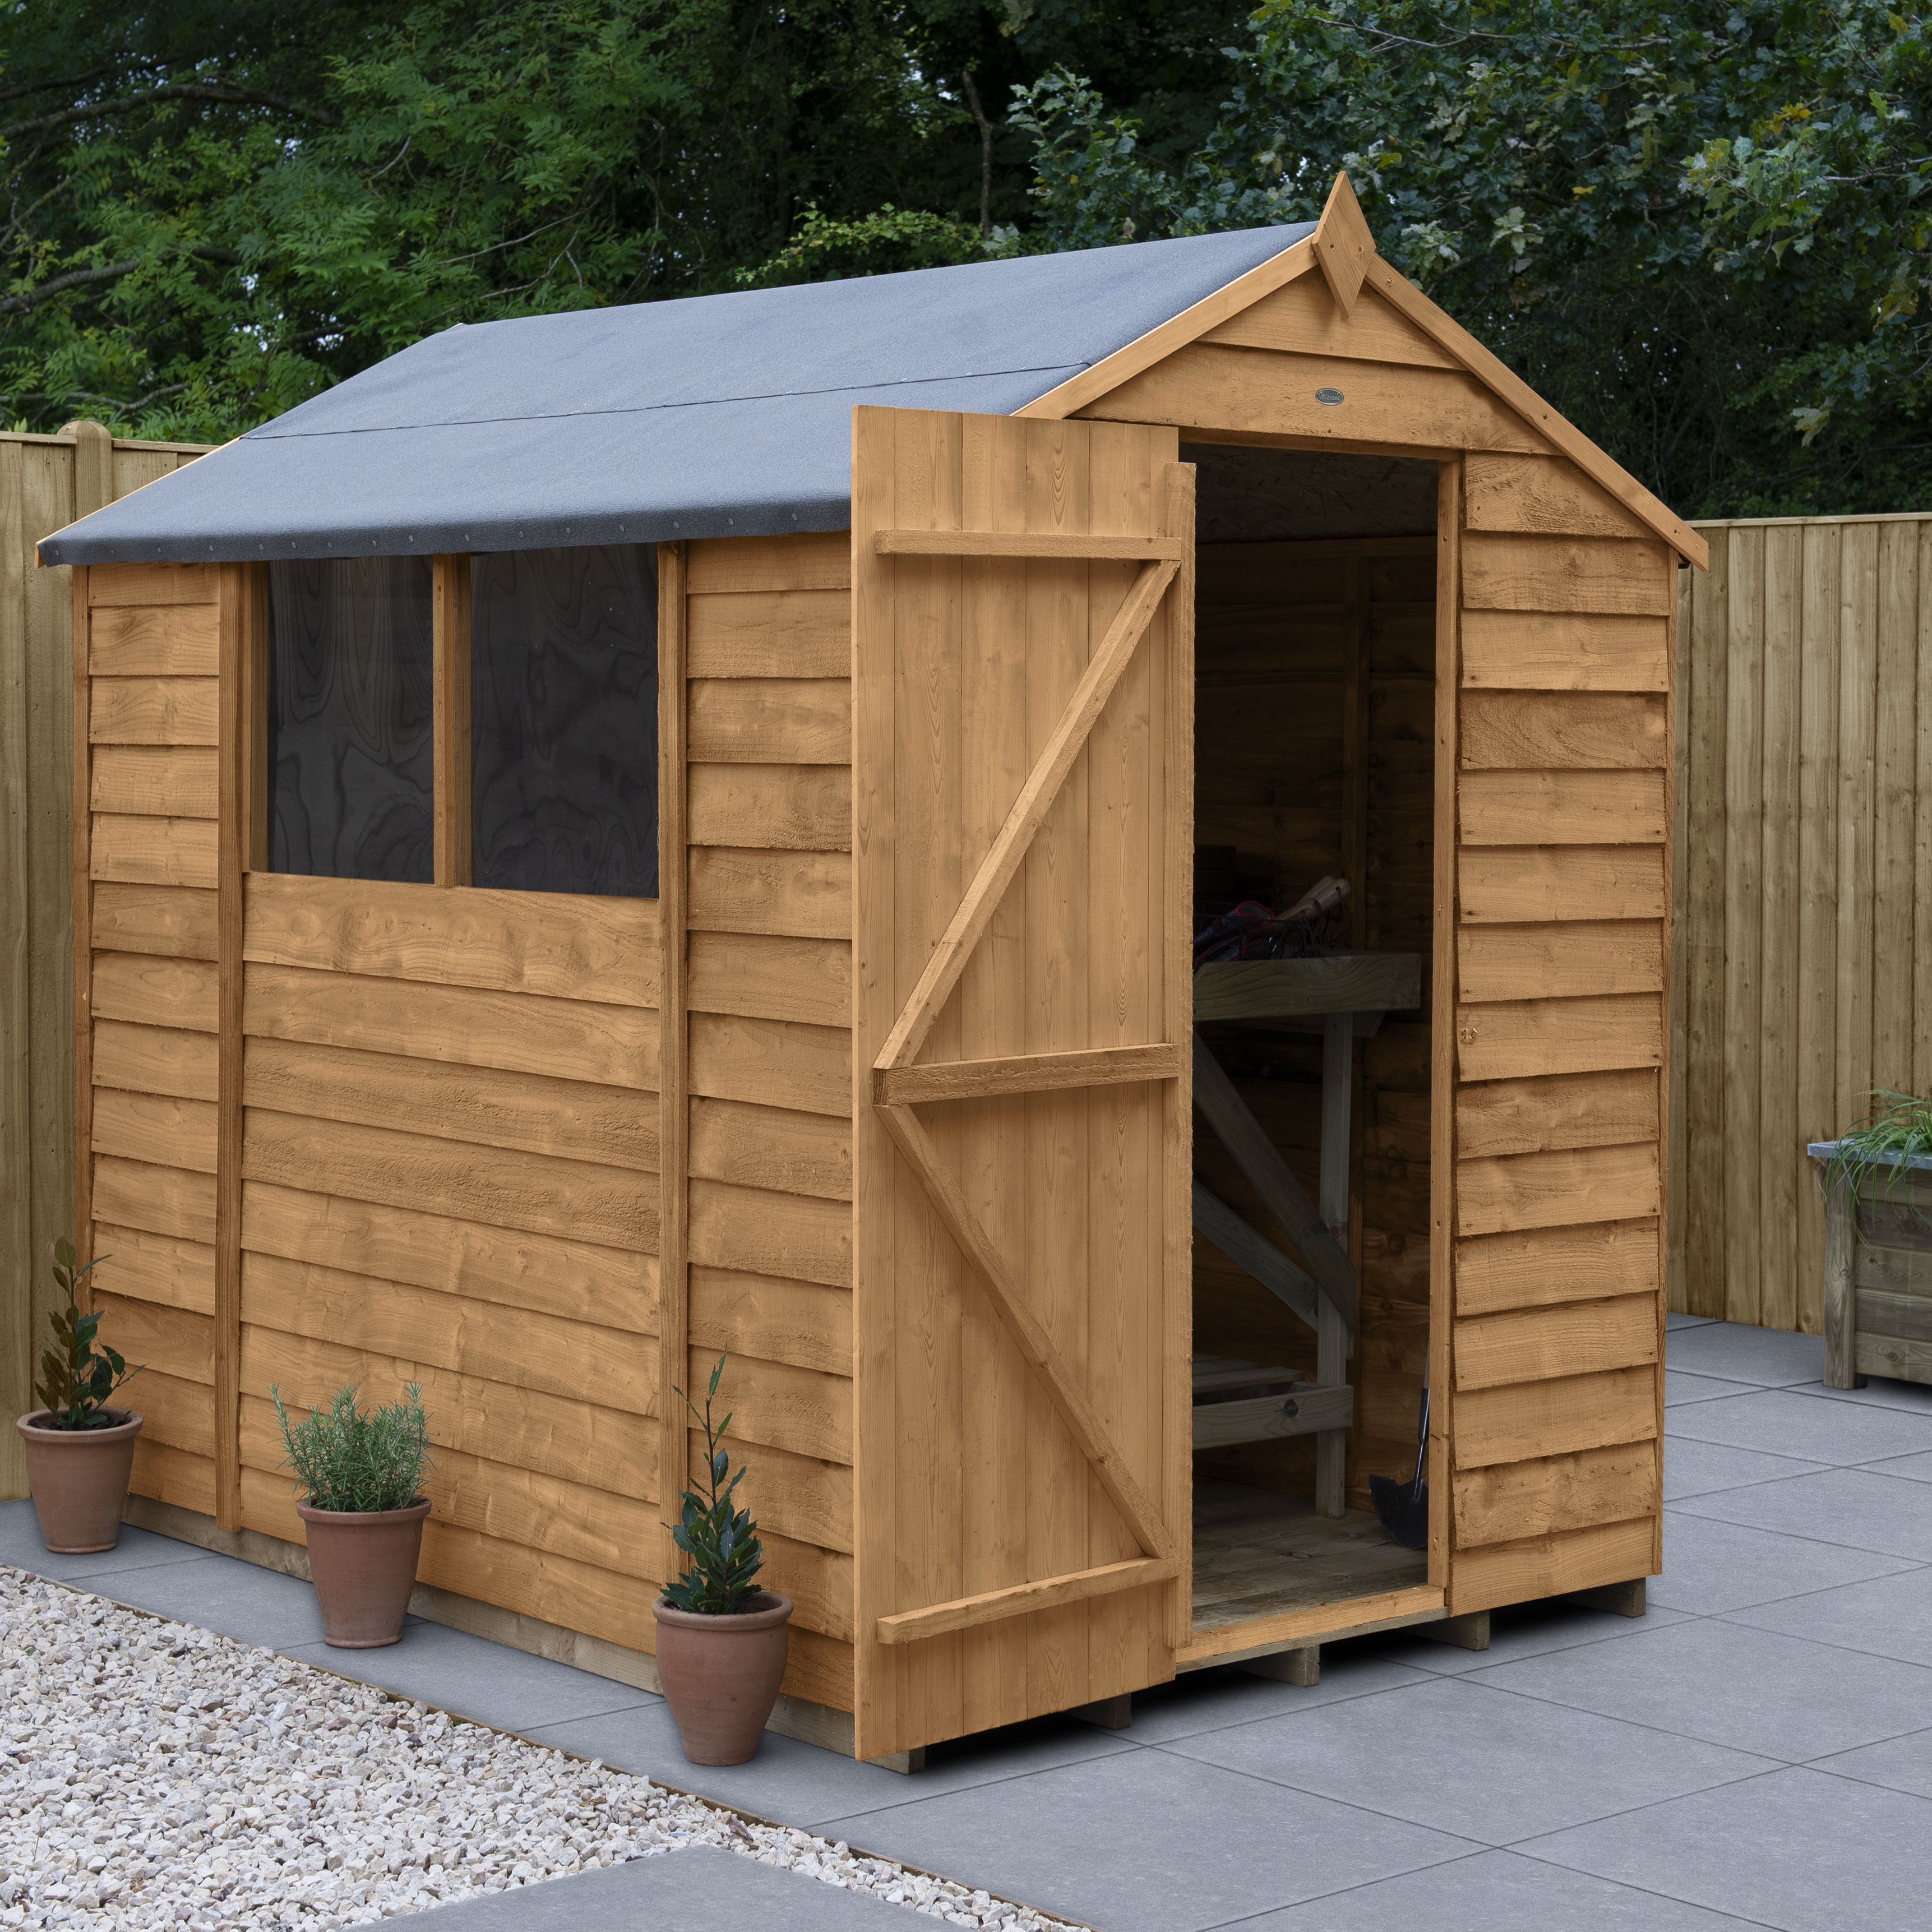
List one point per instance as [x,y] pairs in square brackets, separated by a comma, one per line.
[79,1451]
[360,1476]
[721,1640]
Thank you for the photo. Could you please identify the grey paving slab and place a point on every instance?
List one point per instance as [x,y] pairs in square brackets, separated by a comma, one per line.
[1796,1849]
[799,1784]
[1772,1357]
[1692,1468]
[1210,1700]
[478,1678]
[1728,1684]
[1680,1386]
[20,1545]
[1855,1508]
[1889,1616]
[699,1885]
[1482,1762]
[1149,1841]
[1710,1566]
[1903,1764]
[1673,1322]
[1882,1392]
[223,1594]
[1786,1422]
[1493,1891]
[1524,1630]
[1916,1468]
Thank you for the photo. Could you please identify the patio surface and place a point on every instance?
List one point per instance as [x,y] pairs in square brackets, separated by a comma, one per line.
[1755,1751]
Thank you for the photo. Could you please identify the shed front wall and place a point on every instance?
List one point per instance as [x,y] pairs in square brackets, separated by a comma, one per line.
[1552,738]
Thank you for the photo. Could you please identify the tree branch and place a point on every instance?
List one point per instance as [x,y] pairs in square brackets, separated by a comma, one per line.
[80,278]
[196,90]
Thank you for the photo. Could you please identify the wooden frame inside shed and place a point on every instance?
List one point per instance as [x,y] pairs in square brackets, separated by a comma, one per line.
[902,1118]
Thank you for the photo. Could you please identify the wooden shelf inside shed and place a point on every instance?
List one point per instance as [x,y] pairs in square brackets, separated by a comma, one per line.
[1337,982]
[1258,1553]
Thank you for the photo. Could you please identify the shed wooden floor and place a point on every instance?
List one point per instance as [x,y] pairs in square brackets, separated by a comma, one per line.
[1257,1552]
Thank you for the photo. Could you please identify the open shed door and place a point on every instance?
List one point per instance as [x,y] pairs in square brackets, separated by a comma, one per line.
[1022,658]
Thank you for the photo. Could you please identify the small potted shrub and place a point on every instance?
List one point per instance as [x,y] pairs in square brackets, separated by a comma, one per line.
[360,1476]
[79,1451]
[721,1640]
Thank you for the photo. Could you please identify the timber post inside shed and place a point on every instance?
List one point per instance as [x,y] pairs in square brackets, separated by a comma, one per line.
[650,921]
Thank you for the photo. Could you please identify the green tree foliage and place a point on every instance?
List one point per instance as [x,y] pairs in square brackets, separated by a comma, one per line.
[1700,228]
[215,208]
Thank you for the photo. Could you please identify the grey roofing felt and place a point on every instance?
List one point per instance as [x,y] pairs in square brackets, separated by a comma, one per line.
[718,415]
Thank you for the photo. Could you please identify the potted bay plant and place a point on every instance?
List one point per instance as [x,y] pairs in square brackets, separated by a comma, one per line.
[80,1450]
[361,1478]
[721,1640]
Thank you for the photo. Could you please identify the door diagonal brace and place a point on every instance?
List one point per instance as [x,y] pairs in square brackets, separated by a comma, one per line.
[1008,850]
[1032,1341]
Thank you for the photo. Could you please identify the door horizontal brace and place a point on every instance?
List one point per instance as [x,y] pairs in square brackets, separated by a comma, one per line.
[1025,1073]
[1049,545]
[968,1612]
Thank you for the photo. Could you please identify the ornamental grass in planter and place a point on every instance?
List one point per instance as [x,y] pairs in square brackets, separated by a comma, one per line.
[721,1640]
[360,1476]
[80,1451]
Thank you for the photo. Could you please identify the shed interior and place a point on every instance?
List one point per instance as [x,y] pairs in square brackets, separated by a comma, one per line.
[1316,670]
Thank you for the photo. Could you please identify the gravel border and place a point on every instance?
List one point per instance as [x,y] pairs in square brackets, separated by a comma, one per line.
[153,1774]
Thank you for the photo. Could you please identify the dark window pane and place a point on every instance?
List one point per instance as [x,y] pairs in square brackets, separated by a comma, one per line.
[350,737]
[564,734]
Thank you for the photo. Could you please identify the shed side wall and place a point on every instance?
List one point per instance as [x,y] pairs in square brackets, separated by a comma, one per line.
[1562,943]
[767,809]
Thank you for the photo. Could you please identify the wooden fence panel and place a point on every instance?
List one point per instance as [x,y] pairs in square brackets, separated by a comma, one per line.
[1803,913]
[45,481]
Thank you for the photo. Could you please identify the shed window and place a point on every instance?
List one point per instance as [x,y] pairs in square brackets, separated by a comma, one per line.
[563,736]
[350,675]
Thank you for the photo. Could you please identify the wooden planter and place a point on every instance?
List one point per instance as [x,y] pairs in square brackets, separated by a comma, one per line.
[1878,1273]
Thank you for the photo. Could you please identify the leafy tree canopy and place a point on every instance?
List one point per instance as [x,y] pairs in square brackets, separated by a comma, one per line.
[214,207]
[1701,229]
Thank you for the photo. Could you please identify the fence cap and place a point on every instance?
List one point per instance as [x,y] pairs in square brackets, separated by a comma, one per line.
[1825,1150]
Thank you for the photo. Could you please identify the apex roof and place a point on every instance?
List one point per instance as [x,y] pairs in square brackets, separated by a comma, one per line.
[716,415]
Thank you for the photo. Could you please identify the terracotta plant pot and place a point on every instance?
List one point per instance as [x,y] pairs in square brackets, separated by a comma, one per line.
[79,1477]
[721,1675]
[363,1564]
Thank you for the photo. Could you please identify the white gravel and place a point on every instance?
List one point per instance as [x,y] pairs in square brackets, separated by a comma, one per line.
[154,1774]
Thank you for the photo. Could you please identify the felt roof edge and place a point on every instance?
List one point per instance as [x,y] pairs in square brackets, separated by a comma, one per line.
[707,416]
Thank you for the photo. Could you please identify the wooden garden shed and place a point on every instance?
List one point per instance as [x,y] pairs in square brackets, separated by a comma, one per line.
[612,838]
